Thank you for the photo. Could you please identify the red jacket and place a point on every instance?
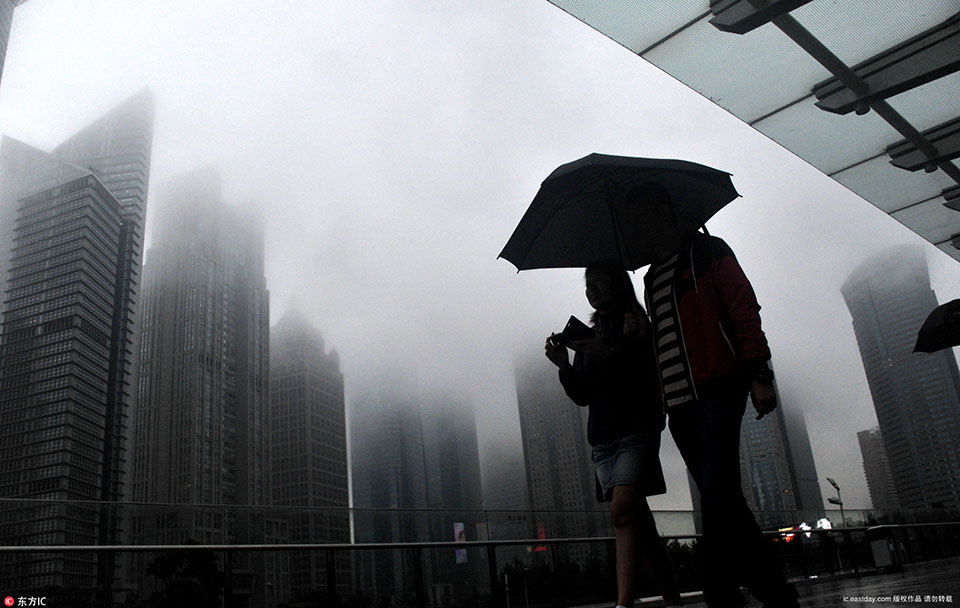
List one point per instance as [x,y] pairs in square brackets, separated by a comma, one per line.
[719,314]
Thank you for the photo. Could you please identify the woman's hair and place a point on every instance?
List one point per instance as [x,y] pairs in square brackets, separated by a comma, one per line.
[626,297]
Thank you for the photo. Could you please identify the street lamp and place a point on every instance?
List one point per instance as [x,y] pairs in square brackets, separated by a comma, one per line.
[837,501]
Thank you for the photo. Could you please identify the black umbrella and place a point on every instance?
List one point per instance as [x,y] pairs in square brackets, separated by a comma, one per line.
[941,329]
[585,212]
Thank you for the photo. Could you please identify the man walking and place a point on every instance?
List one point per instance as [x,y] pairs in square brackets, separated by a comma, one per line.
[711,351]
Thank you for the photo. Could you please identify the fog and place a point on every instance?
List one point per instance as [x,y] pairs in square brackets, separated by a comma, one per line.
[393,147]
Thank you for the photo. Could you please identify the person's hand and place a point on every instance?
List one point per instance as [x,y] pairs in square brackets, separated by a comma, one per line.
[591,346]
[631,325]
[764,398]
[556,353]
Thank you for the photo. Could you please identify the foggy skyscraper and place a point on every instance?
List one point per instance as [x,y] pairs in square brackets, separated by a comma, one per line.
[6,21]
[876,468]
[454,489]
[560,473]
[389,486]
[201,431]
[777,473]
[69,289]
[53,368]
[309,449]
[916,395]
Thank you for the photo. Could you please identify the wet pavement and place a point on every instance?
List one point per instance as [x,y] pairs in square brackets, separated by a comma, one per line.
[926,584]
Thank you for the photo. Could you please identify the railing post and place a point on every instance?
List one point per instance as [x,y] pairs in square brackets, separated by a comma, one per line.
[228,579]
[801,553]
[495,599]
[332,599]
[848,540]
[560,586]
[418,575]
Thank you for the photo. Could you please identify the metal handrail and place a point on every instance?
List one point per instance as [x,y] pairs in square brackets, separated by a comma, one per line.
[420,545]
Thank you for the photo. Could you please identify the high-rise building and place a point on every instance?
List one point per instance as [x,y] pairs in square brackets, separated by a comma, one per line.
[504,478]
[777,473]
[876,468]
[807,484]
[916,395]
[201,429]
[560,475]
[505,496]
[24,170]
[454,491]
[309,450]
[389,490]
[6,21]
[54,363]
[71,260]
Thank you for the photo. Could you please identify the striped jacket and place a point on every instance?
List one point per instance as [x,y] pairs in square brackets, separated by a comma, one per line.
[719,315]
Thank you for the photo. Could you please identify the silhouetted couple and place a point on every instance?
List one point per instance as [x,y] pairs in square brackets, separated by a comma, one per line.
[696,357]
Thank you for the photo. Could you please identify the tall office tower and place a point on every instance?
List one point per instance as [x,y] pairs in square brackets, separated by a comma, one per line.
[505,496]
[389,490]
[916,395]
[54,362]
[117,149]
[504,477]
[776,467]
[201,429]
[24,170]
[454,491]
[765,472]
[807,484]
[560,475]
[309,450]
[27,174]
[6,21]
[876,468]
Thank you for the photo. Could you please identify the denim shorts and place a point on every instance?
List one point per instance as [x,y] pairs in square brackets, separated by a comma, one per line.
[633,460]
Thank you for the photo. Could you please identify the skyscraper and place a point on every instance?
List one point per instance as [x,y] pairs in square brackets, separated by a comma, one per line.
[6,21]
[309,449]
[777,473]
[560,475]
[916,395]
[876,468]
[389,487]
[807,483]
[454,491]
[54,362]
[72,263]
[201,432]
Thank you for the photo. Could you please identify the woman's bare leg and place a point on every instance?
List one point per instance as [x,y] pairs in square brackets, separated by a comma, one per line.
[636,532]
[623,512]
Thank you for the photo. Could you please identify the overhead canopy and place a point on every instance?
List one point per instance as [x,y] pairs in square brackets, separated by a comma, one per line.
[868,92]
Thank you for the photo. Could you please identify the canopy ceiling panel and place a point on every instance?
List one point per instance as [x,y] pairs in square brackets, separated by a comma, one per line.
[802,128]
[856,30]
[928,106]
[741,74]
[767,76]
[930,219]
[890,188]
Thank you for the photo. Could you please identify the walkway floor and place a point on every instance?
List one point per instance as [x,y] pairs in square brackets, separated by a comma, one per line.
[924,584]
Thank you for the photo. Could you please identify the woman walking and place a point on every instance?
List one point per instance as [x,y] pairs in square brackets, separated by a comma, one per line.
[614,375]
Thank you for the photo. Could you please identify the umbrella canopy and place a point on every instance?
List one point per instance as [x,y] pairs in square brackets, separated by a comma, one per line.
[941,329]
[583,213]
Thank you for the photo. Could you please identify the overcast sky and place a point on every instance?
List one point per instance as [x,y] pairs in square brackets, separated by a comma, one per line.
[395,145]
